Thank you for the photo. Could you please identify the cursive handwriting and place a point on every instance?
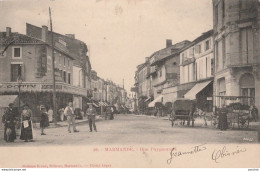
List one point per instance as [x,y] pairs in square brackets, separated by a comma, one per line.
[222,153]
[195,149]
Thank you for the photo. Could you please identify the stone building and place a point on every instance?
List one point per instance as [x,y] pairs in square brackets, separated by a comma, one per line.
[237,50]
[26,63]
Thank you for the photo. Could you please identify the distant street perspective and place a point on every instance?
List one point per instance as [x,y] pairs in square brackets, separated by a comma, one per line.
[138,129]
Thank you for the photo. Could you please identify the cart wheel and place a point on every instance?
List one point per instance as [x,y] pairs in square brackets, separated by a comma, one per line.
[243,123]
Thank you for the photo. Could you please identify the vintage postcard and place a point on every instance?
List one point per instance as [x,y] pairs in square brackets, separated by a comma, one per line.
[130,84]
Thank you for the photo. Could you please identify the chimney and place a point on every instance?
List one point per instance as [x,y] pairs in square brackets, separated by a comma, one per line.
[71,35]
[147,59]
[168,43]
[8,31]
[44,33]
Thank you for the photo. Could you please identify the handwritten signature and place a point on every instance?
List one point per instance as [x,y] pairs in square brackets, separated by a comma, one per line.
[222,153]
[195,149]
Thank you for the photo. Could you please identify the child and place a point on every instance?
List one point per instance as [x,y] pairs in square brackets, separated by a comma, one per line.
[44,120]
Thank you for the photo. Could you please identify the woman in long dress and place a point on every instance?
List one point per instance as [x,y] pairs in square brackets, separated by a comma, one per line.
[9,123]
[26,130]
[44,120]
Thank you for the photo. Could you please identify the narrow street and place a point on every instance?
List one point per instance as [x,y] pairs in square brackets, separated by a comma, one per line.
[135,129]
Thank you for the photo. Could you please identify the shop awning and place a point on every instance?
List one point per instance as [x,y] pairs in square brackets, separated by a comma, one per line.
[196,89]
[157,99]
[5,100]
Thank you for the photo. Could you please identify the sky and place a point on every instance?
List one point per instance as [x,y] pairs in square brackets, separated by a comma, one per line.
[119,33]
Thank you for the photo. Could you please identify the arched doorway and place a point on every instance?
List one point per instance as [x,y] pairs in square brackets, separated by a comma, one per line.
[247,88]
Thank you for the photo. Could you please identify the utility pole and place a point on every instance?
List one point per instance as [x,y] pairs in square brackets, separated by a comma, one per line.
[53,74]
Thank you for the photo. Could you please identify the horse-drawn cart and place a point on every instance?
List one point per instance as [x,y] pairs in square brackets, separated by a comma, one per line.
[183,110]
[238,113]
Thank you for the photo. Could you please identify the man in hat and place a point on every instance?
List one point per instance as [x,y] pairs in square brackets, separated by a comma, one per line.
[91,111]
[9,124]
[69,113]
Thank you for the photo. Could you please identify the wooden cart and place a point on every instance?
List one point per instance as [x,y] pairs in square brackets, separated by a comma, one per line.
[238,114]
[183,110]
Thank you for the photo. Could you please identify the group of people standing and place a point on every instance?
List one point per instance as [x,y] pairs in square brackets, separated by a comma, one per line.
[10,118]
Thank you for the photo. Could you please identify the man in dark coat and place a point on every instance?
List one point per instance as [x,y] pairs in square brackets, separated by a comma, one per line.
[91,111]
[9,123]
[223,118]
[44,120]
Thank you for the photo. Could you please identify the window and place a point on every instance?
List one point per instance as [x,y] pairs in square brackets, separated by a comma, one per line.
[69,81]
[207,45]
[216,54]
[64,76]
[199,48]
[224,51]
[223,9]
[17,52]
[216,15]
[64,61]
[16,72]
[212,66]
[247,85]
[246,45]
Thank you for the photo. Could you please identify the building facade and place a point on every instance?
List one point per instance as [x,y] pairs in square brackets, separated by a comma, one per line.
[197,71]
[26,64]
[237,50]
[165,72]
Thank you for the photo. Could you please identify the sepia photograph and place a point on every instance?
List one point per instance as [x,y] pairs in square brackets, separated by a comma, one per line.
[130,84]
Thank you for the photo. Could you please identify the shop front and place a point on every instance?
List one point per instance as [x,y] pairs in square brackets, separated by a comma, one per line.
[36,94]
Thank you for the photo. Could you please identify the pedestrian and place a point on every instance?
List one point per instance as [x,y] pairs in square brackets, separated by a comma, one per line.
[69,113]
[108,112]
[223,118]
[44,120]
[61,111]
[50,114]
[26,130]
[9,124]
[111,117]
[254,112]
[91,111]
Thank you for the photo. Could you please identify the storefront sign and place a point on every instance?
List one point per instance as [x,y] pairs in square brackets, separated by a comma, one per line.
[40,87]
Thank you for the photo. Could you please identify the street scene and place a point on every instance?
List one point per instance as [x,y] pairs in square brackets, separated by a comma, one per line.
[128,129]
[112,76]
